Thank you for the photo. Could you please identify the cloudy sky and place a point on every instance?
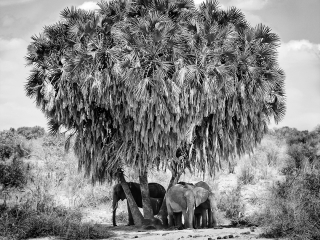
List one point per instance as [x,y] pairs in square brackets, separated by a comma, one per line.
[296,22]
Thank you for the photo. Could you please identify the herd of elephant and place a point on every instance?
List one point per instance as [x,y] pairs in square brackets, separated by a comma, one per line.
[195,202]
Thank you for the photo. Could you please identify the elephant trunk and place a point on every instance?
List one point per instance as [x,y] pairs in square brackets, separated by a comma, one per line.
[114,208]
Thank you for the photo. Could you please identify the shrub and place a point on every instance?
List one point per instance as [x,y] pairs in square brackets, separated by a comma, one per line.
[20,222]
[13,175]
[231,204]
[31,132]
[247,174]
[12,145]
[294,209]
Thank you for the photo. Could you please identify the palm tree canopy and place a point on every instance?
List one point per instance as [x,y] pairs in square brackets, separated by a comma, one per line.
[137,78]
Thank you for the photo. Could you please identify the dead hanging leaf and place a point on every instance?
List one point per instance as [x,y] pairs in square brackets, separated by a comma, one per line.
[49,94]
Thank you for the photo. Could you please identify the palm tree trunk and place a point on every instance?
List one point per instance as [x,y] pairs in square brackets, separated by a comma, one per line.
[136,214]
[146,203]
[163,214]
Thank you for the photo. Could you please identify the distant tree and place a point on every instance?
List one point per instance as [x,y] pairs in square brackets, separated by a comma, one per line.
[31,132]
[12,174]
[12,169]
[303,146]
[139,79]
[12,145]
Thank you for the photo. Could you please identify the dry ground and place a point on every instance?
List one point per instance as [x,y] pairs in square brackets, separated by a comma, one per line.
[102,217]
[125,232]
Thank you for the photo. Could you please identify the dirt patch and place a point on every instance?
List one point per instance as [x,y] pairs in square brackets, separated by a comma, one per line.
[129,232]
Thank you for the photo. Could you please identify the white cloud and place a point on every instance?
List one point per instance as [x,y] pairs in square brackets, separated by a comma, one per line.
[298,45]
[7,21]
[11,44]
[12,2]
[248,4]
[89,6]
[7,66]
[299,49]
[302,68]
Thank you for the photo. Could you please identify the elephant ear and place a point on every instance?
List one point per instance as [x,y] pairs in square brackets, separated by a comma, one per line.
[200,195]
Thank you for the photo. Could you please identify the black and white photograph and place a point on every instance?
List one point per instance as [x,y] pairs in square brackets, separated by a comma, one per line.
[160,119]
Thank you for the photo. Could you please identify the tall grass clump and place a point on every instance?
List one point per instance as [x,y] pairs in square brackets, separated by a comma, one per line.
[293,209]
[247,173]
[21,222]
[231,204]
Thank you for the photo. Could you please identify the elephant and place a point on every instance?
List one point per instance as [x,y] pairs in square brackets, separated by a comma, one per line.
[156,191]
[206,210]
[184,198]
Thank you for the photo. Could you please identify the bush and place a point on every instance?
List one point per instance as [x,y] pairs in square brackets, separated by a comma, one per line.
[294,209]
[12,145]
[247,174]
[13,174]
[231,204]
[20,222]
[31,132]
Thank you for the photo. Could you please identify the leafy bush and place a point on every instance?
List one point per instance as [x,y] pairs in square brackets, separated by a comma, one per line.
[13,174]
[21,223]
[303,146]
[247,174]
[12,145]
[231,204]
[31,132]
[294,209]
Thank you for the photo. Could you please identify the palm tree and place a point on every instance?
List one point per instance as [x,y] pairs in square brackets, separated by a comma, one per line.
[132,81]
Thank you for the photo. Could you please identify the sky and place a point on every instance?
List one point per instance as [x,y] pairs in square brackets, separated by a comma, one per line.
[296,22]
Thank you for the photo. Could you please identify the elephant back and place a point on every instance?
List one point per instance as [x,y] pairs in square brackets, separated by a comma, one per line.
[203,185]
[156,190]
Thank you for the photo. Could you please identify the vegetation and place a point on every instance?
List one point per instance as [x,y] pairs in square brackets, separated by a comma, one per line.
[139,79]
[293,209]
[13,172]
[55,195]
[31,132]
[22,223]
[31,189]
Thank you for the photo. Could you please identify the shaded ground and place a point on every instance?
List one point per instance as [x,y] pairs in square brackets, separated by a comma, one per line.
[101,216]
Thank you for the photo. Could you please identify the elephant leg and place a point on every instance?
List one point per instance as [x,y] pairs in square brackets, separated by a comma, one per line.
[177,219]
[197,220]
[170,215]
[214,222]
[188,215]
[209,218]
[131,222]
[212,212]
[204,218]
